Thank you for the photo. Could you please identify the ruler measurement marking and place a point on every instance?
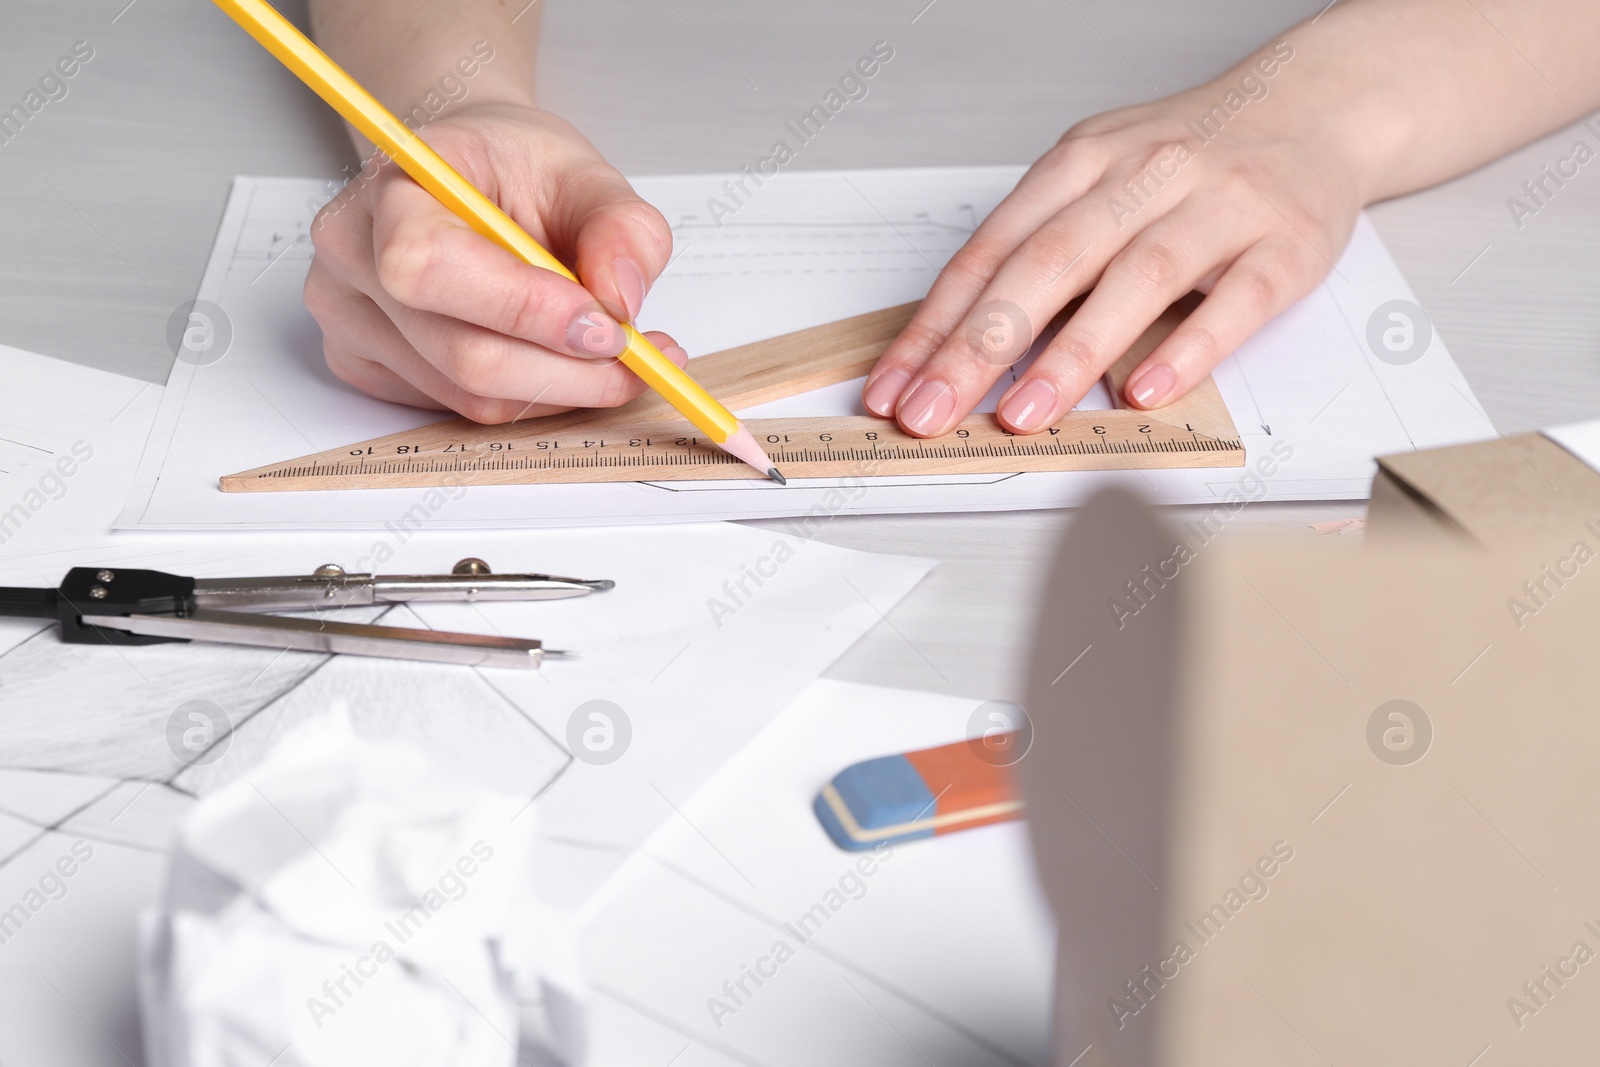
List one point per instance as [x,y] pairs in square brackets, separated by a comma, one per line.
[609,446]
[653,455]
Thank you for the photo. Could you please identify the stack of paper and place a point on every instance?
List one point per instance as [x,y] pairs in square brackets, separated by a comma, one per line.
[97,739]
[811,248]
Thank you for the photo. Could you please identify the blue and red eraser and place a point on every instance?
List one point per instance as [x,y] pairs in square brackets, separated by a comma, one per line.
[918,794]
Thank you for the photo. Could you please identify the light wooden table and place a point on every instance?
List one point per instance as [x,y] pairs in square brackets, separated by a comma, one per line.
[110,198]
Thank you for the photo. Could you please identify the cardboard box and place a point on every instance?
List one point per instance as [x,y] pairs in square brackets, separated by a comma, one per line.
[1525,490]
[1309,805]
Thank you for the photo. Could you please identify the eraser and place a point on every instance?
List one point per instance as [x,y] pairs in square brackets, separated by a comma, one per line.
[917,794]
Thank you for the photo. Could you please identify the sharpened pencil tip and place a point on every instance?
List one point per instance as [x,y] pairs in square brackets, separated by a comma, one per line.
[742,445]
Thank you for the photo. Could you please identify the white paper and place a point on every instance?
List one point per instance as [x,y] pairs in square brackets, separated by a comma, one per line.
[809,248]
[346,903]
[698,652]
[710,631]
[67,434]
[67,957]
[943,954]
[1582,439]
[693,681]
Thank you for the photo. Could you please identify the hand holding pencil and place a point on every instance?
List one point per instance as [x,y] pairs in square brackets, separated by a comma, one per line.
[428,311]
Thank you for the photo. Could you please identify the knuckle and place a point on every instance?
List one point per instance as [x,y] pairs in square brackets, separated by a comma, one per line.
[521,313]
[319,297]
[581,181]
[961,351]
[481,409]
[325,231]
[1082,136]
[343,367]
[335,232]
[470,361]
[323,239]
[977,261]
[1053,251]
[1163,155]
[1258,285]
[917,342]
[1235,183]
[406,261]
[1076,148]
[1203,342]
[642,217]
[1091,139]
[1293,221]
[616,387]
[1075,354]
[1300,264]
[1155,265]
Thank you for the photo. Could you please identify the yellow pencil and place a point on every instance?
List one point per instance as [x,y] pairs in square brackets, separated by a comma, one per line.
[362,110]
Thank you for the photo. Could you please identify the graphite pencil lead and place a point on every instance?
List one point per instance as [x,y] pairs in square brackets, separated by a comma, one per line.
[772,472]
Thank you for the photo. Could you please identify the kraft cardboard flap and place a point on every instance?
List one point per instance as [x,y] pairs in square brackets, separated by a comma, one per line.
[1511,490]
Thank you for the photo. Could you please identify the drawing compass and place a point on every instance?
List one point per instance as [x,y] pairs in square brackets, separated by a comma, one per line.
[114,606]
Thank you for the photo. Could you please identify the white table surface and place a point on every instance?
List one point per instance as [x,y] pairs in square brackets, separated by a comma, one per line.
[110,198]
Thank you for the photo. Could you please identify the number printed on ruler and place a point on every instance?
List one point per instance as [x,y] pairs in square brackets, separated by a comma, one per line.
[800,447]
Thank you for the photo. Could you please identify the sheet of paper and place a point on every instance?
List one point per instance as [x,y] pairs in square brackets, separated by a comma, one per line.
[68,434]
[807,248]
[1582,439]
[680,672]
[946,950]
[102,745]
[68,907]
[712,628]
[943,953]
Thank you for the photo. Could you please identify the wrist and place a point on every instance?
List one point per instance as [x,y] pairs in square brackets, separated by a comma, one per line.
[1376,138]
[480,76]
[1343,127]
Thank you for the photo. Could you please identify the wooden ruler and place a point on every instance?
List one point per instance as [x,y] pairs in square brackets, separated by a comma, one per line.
[648,441]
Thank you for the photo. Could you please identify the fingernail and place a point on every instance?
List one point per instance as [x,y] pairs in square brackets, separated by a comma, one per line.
[630,285]
[929,407]
[594,333]
[885,390]
[676,354]
[1152,387]
[1030,407]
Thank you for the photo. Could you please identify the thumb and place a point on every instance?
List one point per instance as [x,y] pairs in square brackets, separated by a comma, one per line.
[621,243]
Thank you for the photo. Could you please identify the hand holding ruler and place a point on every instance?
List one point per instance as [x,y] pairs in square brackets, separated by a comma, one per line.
[646,441]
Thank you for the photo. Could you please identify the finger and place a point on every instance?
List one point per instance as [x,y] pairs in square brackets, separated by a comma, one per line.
[355,337]
[434,390]
[668,347]
[491,364]
[1054,264]
[1059,177]
[341,237]
[356,327]
[621,243]
[375,379]
[494,410]
[428,259]
[364,348]
[1263,281]
[1157,267]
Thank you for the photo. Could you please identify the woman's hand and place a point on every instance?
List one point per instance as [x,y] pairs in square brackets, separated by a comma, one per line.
[1140,205]
[417,308]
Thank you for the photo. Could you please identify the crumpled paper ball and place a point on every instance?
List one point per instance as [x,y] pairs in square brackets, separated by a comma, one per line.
[346,904]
